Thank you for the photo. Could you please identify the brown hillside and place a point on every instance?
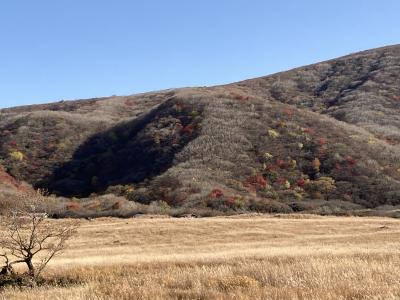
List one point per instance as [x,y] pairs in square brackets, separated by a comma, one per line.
[321,138]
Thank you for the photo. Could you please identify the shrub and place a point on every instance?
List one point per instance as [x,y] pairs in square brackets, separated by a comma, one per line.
[350,161]
[273,133]
[273,176]
[7,202]
[72,206]
[289,112]
[324,185]
[301,206]
[268,206]
[116,205]
[227,203]
[309,130]
[217,193]
[300,182]
[141,195]
[17,155]
[258,181]
[187,130]
[159,208]
[268,156]
[235,202]
[316,164]
[28,234]
[239,97]
[322,141]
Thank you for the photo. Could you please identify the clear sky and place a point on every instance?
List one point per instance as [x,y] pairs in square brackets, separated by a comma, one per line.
[53,50]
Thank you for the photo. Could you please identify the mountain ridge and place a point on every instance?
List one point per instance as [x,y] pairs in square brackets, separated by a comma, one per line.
[323,135]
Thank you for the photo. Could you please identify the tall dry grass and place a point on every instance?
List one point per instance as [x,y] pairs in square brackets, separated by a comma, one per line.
[243,257]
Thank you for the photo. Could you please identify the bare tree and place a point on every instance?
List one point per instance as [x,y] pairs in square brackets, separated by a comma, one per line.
[29,237]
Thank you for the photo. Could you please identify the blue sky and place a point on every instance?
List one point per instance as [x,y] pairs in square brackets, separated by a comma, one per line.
[68,49]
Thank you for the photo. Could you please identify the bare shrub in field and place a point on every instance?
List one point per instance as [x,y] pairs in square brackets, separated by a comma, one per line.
[29,238]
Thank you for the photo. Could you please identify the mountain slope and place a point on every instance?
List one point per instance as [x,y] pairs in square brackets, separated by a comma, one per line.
[361,89]
[324,135]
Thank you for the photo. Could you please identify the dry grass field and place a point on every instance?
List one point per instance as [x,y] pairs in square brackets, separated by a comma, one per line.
[241,257]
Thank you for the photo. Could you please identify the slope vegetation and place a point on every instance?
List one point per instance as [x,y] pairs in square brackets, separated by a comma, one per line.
[322,138]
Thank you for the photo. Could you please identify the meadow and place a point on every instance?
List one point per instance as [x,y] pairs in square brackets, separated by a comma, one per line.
[238,257]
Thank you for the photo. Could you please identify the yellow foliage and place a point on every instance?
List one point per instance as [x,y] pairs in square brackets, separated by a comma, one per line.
[292,163]
[328,180]
[371,140]
[17,155]
[273,133]
[354,136]
[268,155]
[130,190]
[287,184]
[62,146]
[300,145]
[298,196]
[316,164]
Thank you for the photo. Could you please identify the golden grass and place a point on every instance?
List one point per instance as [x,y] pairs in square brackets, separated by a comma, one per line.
[242,257]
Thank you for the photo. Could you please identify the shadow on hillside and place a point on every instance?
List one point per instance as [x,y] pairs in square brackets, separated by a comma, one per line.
[127,153]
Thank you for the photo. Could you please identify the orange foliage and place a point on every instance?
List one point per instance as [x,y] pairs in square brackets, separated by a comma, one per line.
[74,206]
[257,180]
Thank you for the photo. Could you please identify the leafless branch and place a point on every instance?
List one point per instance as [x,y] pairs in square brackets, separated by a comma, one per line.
[27,232]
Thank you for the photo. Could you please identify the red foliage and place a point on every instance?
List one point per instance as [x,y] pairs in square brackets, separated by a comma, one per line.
[188,129]
[321,152]
[390,142]
[322,141]
[12,144]
[272,167]
[230,200]
[8,180]
[387,140]
[350,161]
[301,182]
[309,130]
[73,206]
[239,97]
[397,98]
[179,106]
[217,193]
[289,112]
[338,167]
[280,163]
